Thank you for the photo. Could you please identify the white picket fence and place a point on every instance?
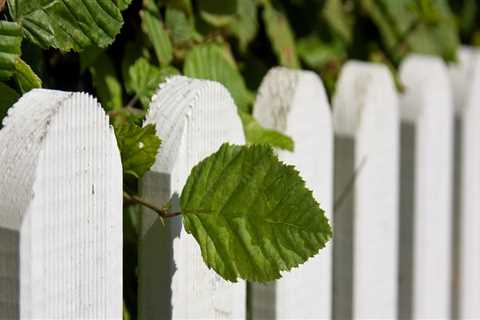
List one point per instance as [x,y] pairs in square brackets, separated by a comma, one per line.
[397,173]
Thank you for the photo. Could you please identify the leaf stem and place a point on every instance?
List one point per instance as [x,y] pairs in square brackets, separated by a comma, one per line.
[132,102]
[348,188]
[162,212]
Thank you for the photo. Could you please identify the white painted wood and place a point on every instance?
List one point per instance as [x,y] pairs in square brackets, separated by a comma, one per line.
[427,105]
[295,103]
[193,118]
[365,110]
[465,81]
[60,210]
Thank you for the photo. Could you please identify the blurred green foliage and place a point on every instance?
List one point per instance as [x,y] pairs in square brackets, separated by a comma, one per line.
[234,42]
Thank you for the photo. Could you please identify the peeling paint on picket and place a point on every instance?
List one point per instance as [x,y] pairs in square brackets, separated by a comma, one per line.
[465,81]
[365,114]
[60,199]
[193,118]
[295,103]
[426,193]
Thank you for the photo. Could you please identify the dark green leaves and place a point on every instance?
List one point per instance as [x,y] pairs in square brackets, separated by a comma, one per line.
[138,148]
[10,42]
[251,214]
[73,24]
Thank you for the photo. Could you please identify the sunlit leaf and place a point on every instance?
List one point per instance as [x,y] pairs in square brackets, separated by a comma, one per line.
[252,215]
[138,147]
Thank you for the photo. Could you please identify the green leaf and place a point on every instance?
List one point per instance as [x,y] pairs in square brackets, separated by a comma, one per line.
[245,26]
[89,56]
[123,4]
[218,13]
[180,25]
[153,27]
[10,48]
[281,36]
[68,24]
[338,18]
[8,97]
[316,53]
[26,78]
[145,78]
[183,5]
[251,214]
[426,27]
[210,61]
[138,147]
[256,134]
[224,7]
[106,83]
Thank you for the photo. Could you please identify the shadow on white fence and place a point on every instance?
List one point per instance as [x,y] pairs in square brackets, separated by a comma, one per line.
[398,175]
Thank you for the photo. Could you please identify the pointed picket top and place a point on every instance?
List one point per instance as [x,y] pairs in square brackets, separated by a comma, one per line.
[365,114]
[465,82]
[294,102]
[60,209]
[426,106]
[193,118]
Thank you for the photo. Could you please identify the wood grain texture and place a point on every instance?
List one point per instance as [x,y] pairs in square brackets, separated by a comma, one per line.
[366,120]
[60,210]
[427,115]
[193,118]
[294,102]
[465,82]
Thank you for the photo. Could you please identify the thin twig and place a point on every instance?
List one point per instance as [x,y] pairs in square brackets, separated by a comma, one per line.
[162,212]
[132,102]
[340,199]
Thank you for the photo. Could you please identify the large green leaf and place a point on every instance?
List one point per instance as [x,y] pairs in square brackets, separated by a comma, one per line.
[251,214]
[106,83]
[256,134]
[138,147]
[153,27]
[209,61]
[10,47]
[281,36]
[68,24]
[143,79]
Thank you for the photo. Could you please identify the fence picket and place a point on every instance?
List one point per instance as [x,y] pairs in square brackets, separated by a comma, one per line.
[295,103]
[465,81]
[60,198]
[193,118]
[426,207]
[365,114]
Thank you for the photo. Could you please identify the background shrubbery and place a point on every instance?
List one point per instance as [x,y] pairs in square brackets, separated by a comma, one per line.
[231,41]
